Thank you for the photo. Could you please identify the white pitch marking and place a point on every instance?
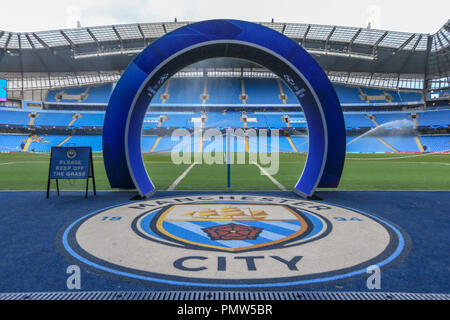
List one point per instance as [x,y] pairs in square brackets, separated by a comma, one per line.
[177,181]
[279,185]
[21,162]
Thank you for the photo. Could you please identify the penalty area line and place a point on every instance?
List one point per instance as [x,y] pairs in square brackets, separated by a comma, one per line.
[279,185]
[177,180]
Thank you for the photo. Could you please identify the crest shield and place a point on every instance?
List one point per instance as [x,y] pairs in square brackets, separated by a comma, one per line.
[231,227]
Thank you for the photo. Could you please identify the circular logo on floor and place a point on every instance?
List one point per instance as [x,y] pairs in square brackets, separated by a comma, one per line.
[232,241]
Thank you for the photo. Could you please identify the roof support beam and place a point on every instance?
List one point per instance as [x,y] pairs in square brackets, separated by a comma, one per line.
[38,55]
[426,62]
[7,40]
[93,38]
[3,52]
[350,44]
[29,40]
[329,36]
[439,39]
[118,36]
[417,42]
[375,45]
[408,58]
[306,34]
[142,34]
[438,54]
[72,45]
[45,45]
[447,26]
[53,52]
[404,44]
[444,36]
[21,62]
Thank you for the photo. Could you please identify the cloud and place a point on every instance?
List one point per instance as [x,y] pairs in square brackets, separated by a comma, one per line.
[73,16]
[401,15]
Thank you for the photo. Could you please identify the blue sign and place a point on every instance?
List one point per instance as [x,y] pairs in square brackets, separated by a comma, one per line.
[70,163]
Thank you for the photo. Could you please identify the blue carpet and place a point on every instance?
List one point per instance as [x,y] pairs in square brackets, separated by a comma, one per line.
[30,261]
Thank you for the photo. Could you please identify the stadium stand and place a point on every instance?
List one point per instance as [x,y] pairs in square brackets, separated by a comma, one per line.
[11,142]
[402,144]
[224,120]
[300,143]
[223,103]
[262,91]
[94,94]
[175,120]
[232,93]
[387,117]
[357,120]
[182,92]
[366,145]
[88,119]
[433,118]
[13,117]
[147,143]
[348,94]
[436,143]
[273,119]
[62,119]
[224,91]
[94,141]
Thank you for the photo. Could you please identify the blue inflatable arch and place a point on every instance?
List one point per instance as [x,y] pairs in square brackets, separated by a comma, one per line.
[223,38]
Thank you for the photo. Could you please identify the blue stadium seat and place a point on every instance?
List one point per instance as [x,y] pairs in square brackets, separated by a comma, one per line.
[367,145]
[14,117]
[262,91]
[436,143]
[53,119]
[11,142]
[402,144]
[439,117]
[223,91]
[90,120]
[185,91]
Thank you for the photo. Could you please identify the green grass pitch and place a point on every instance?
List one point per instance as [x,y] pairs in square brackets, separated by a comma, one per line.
[27,171]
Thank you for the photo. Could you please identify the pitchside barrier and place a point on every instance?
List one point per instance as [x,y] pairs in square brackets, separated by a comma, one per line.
[71,163]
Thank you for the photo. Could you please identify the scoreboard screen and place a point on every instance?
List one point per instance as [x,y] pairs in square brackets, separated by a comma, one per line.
[3,91]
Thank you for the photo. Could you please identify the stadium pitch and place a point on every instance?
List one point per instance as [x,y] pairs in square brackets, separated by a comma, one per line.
[29,171]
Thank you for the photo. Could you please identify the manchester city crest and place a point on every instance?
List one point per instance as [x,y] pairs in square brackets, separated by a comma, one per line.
[231,227]
[232,241]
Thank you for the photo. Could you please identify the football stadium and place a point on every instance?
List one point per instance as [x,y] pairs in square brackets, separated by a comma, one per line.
[224,159]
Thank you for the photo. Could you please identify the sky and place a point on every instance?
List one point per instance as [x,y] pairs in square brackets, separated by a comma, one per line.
[397,15]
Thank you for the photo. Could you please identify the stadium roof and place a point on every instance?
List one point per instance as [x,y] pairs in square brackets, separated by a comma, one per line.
[341,51]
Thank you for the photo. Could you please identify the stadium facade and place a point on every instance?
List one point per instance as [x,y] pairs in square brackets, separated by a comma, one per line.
[395,84]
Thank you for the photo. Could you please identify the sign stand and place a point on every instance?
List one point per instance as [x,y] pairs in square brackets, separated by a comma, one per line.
[71,163]
[91,175]
[48,187]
